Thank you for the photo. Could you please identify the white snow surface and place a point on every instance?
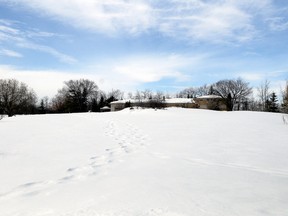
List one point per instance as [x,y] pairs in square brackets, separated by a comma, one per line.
[174,162]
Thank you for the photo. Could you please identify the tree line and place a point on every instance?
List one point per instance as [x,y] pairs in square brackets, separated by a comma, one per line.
[84,95]
[238,95]
[76,96]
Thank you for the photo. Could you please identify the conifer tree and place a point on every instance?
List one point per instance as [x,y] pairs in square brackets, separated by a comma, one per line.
[229,103]
[285,99]
[272,103]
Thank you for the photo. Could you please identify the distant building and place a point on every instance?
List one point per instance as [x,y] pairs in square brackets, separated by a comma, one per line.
[213,102]
[105,109]
[174,102]
[181,102]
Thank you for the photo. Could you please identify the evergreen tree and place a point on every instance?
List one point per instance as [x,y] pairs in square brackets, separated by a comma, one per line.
[102,102]
[229,102]
[42,108]
[285,99]
[94,106]
[272,105]
[211,90]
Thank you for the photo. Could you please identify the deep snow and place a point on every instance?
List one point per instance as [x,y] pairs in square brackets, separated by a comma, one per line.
[175,162]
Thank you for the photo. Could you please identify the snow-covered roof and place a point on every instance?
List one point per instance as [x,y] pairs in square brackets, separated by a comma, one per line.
[179,100]
[209,96]
[124,101]
[105,107]
[172,100]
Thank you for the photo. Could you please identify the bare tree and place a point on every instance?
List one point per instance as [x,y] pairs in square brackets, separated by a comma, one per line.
[16,98]
[203,90]
[60,102]
[76,95]
[116,94]
[138,96]
[147,94]
[187,93]
[235,92]
[130,95]
[193,92]
[159,96]
[263,94]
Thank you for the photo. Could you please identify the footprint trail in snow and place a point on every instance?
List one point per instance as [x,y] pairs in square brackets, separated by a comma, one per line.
[126,138]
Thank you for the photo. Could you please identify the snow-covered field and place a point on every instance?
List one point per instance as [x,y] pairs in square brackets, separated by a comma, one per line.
[175,162]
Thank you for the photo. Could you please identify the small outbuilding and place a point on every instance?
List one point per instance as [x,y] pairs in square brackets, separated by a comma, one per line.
[105,109]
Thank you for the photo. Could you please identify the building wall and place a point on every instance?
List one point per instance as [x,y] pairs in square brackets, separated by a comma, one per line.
[211,103]
[120,106]
[182,105]
[202,103]
[117,106]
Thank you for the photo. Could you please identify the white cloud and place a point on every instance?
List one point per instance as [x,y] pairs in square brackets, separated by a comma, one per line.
[151,69]
[213,21]
[48,82]
[131,72]
[109,16]
[216,21]
[252,76]
[44,82]
[126,74]
[265,74]
[10,53]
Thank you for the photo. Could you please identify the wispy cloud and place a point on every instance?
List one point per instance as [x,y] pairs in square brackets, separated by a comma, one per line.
[11,33]
[8,32]
[46,49]
[255,77]
[214,21]
[10,53]
[278,23]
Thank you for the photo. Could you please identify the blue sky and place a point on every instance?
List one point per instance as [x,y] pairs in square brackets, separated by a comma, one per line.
[162,45]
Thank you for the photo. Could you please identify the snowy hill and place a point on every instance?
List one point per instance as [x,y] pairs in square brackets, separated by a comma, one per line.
[175,162]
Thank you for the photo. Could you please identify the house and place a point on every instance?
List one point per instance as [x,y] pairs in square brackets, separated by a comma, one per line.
[120,105]
[174,102]
[212,102]
[181,102]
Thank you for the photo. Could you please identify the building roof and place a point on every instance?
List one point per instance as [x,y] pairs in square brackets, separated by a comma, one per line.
[172,100]
[209,96]
[179,100]
[105,108]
